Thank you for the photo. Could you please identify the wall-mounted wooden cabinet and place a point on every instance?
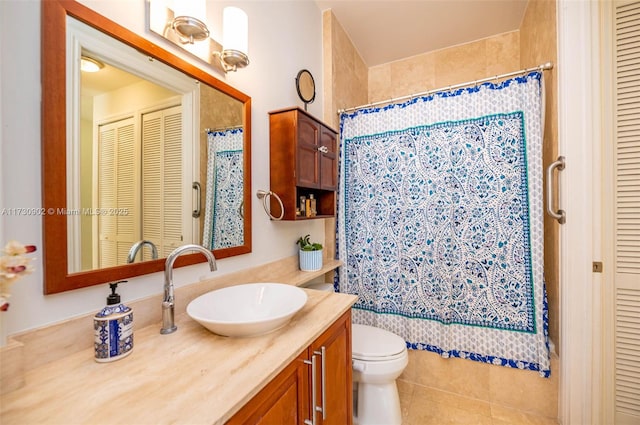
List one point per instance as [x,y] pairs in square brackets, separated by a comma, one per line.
[304,162]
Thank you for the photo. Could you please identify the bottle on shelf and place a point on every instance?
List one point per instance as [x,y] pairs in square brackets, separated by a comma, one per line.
[303,206]
[312,202]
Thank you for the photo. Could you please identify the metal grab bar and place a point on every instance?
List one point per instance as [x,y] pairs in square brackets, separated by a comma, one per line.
[559,215]
[196,213]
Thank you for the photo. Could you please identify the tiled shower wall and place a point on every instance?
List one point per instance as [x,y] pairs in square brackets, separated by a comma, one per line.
[348,82]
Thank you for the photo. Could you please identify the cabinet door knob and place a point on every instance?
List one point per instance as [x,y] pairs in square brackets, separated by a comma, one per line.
[323,149]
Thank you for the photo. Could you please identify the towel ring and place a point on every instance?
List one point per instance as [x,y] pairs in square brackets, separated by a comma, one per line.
[264,195]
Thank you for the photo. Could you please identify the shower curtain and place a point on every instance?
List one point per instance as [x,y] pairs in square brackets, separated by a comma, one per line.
[440,223]
[223,220]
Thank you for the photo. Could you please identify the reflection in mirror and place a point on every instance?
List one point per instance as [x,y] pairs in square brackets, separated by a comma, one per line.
[145,141]
[136,173]
[222,140]
[130,149]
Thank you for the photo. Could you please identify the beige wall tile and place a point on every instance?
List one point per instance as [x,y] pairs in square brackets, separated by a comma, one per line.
[346,81]
[506,416]
[429,406]
[345,76]
[538,34]
[459,64]
[453,400]
[327,66]
[503,53]
[464,377]
[525,390]
[380,84]
[413,75]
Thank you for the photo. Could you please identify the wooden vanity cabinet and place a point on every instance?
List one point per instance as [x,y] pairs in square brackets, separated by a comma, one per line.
[288,398]
[283,401]
[336,396]
[304,161]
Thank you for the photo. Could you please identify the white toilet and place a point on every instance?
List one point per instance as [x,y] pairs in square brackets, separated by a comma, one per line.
[378,358]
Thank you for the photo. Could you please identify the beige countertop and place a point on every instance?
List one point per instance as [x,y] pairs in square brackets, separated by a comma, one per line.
[189,377]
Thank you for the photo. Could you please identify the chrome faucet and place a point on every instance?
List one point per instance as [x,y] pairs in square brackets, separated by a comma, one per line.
[137,246]
[168,324]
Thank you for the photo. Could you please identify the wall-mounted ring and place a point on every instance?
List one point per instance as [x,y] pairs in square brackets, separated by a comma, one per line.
[264,195]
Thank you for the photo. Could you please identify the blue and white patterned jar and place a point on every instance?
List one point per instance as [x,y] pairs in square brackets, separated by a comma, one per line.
[113,327]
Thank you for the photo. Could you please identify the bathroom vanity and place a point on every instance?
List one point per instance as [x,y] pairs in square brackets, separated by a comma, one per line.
[192,376]
[317,382]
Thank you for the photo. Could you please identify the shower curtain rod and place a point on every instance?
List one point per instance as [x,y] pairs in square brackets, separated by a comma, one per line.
[544,67]
[210,130]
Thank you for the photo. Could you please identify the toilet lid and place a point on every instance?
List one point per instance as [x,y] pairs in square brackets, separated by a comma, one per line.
[370,343]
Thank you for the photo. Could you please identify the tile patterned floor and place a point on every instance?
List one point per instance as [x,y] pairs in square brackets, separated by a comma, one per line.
[427,406]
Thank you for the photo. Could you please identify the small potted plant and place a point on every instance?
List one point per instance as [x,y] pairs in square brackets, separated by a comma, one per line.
[310,254]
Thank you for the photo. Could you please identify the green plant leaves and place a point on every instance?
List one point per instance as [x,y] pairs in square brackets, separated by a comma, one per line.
[307,245]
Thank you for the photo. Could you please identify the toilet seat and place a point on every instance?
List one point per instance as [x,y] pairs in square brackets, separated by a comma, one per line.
[374,344]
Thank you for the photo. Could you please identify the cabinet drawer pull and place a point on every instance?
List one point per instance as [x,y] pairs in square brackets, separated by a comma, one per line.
[314,395]
[323,149]
[323,354]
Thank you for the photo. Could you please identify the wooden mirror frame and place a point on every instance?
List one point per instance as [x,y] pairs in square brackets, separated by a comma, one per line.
[54,147]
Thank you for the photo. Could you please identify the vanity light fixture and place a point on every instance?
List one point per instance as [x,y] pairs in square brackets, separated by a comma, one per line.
[183,22]
[88,64]
[189,20]
[190,29]
[235,39]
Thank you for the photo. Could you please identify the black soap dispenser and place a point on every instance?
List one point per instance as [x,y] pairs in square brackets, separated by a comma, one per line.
[113,326]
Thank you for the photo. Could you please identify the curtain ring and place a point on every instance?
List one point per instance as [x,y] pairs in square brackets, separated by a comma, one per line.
[264,195]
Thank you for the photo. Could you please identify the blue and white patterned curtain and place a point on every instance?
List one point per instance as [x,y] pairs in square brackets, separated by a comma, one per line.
[440,222]
[223,221]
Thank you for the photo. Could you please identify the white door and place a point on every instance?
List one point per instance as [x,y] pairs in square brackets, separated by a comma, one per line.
[118,181]
[626,214]
[162,180]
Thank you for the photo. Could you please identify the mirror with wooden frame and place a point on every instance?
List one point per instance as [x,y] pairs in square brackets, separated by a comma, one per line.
[148,152]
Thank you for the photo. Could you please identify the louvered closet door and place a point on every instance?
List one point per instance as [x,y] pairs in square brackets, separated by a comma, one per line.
[117,182]
[627,213]
[162,179]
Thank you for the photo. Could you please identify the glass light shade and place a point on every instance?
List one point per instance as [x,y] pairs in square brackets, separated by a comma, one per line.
[193,8]
[235,26]
[90,65]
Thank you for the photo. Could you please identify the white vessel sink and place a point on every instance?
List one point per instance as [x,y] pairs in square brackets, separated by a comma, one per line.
[247,310]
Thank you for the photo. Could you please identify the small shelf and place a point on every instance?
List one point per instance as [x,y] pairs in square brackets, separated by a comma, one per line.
[299,278]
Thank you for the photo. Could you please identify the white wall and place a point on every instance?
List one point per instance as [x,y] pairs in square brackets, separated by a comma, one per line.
[284,37]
